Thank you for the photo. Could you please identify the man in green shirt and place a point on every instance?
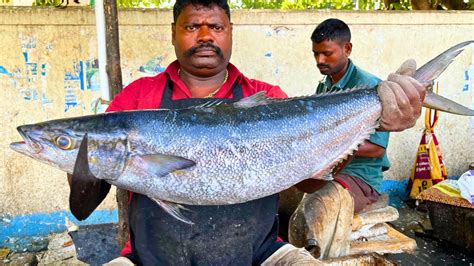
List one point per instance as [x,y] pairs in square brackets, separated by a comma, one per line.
[333,203]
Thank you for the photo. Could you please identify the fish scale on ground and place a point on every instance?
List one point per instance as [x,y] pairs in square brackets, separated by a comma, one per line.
[182,156]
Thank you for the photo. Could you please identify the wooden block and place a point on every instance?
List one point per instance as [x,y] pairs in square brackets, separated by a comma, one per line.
[392,242]
[359,260]
[386,214]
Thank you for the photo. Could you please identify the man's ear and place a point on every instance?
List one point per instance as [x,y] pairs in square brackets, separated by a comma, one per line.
[348,48]
[173,33]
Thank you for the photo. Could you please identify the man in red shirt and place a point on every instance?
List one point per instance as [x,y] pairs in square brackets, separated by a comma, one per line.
[202,38]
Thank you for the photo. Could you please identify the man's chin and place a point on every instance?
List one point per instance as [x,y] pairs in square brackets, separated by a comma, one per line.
[325,71]
[207,62]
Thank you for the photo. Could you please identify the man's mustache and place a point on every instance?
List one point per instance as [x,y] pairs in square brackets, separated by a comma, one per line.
[194,49]
[322,65]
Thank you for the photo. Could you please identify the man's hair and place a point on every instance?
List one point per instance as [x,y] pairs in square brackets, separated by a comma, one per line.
[333,30]
[181,4]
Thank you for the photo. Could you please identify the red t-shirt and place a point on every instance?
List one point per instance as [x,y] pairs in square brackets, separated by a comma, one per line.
[146,93]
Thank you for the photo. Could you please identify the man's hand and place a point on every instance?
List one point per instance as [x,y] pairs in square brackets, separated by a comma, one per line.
[402,98]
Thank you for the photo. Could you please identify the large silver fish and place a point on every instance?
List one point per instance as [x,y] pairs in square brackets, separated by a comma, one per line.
[222,154]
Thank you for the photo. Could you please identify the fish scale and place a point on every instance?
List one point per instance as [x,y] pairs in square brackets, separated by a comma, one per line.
[269,155]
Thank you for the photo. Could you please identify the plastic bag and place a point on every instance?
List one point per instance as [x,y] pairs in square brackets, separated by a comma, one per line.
[429,168]
[466,185]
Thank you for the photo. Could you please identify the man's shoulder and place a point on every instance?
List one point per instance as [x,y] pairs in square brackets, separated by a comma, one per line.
[251,86]
[362,76]
[149,80]
[140,94]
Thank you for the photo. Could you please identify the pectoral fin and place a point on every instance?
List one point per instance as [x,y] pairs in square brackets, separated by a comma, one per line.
[162,164]
[174,209]
[87,192]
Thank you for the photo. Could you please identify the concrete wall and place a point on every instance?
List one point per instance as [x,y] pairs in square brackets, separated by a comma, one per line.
[48,70]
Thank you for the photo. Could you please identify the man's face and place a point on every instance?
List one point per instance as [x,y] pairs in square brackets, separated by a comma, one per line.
[331,56]
[202,39]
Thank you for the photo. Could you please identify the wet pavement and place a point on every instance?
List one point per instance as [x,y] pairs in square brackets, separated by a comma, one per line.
[430,251]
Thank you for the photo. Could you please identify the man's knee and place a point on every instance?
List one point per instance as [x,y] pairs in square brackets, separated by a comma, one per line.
[314,224]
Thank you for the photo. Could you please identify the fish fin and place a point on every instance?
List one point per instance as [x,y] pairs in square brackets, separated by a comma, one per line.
[174,209]
[256,99]
[163,164]
[358,138]
[211,103]
[431,70]
[427,73]
[440,103]
[87,191]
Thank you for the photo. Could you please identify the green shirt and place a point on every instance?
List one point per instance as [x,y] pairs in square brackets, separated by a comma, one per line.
[368,169]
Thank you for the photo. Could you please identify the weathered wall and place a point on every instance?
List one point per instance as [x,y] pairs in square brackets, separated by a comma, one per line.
[48,70]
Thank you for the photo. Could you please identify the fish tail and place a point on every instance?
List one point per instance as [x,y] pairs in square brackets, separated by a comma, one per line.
[430,71]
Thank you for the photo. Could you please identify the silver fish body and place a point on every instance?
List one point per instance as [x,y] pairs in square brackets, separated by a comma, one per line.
[245,154]
[239,154]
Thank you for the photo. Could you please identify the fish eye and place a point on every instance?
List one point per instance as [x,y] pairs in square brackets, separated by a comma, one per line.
[64,142]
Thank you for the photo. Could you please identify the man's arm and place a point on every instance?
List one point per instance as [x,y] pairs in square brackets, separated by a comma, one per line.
[127,99]
[369,149]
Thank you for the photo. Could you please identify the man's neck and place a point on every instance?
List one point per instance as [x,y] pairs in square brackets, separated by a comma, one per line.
[338,76]
[203,87]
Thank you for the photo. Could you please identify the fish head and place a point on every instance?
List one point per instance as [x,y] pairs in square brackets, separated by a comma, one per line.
[55,144]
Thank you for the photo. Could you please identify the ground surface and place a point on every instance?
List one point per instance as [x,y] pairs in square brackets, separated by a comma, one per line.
[97,244]
[430,251]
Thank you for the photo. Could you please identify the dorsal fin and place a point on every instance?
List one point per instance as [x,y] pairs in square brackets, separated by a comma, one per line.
[256,99]
[210,103]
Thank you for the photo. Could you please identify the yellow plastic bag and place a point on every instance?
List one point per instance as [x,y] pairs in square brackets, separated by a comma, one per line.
[429,168]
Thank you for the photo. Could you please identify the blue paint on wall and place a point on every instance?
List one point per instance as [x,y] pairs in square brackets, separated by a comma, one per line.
[32,68]
[43,70]
[25,56]
[81,75]
[92,75]
[18,232]
[466,79]
[72,84]
[29,94]
[4,71]
[153,66]
[268,54]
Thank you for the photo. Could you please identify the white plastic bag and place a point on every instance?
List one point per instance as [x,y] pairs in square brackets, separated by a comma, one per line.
[466,185]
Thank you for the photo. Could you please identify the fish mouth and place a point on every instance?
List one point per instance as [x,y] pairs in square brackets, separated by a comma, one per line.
[20,147]
[28,146]
[25,148]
